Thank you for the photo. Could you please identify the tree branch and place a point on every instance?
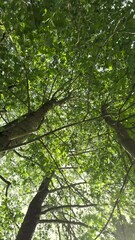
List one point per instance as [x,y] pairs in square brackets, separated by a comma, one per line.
[116,202]
[27,88]
[63,222]
[7,182]
[65,187]
[68,206]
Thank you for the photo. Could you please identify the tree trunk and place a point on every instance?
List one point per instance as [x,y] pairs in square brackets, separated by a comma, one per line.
[19,129]
[125,140]
[32,216]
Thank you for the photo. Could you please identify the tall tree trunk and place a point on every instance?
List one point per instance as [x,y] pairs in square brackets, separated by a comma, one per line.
[32,216]
[124,138]
[20,128]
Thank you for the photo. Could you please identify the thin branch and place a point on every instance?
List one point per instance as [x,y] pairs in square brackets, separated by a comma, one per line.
[27,88]
[55,162]
[121,222]
[59,232]
[30,160]
[64,187]
[130,116]
[108,38]
[63,222]
[116,202]
[131,33]
[3,36]
[126,100]
[68,206]
[68,167]
[55,79]
[7,182]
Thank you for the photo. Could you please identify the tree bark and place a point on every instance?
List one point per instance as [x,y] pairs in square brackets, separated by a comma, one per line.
[19,129]
[32,216]
[124,138]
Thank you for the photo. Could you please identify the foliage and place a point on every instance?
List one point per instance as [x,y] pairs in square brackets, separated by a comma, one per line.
[53,48]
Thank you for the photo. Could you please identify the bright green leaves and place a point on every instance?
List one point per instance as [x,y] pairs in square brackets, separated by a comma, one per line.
[58,47]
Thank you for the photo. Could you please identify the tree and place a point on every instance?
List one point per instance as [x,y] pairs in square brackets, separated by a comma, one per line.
[67,119]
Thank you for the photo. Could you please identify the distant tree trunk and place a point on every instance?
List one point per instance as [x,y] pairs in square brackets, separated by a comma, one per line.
[32,216]
[124,139]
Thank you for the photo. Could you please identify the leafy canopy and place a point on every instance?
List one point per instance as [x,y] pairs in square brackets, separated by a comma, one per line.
[56,47]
